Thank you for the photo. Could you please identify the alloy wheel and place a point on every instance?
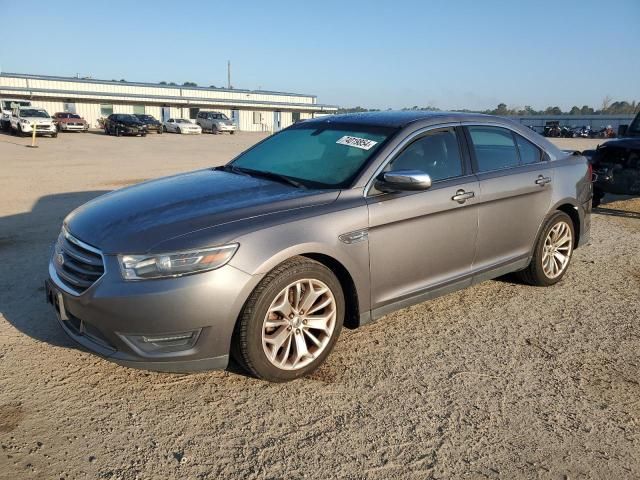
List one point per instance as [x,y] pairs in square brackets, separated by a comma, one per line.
[557,249]
[299,324]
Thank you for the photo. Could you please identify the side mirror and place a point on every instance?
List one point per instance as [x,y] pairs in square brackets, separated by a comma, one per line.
[403,181]
[622,130]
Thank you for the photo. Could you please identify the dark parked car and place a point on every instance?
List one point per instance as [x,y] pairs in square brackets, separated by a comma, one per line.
[335,220]
[150,122]
[124,124]
[616,164]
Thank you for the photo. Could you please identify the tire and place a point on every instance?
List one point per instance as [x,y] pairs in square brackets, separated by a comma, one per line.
[250,339]
[118,132]
[178,130]
[536,273]
[598,195]
[232,132]
[54,135]
[20,132]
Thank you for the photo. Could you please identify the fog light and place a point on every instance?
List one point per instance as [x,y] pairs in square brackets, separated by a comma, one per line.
[185,337]
[159,344]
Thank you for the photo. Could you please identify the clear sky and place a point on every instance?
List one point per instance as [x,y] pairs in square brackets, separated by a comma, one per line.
[377,54]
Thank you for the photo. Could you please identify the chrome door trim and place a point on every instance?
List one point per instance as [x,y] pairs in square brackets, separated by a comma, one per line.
[398,148]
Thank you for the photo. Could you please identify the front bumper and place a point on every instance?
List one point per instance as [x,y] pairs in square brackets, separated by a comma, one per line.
[226,128]
[112,316]
[49,130]
[75,128]
[190,131]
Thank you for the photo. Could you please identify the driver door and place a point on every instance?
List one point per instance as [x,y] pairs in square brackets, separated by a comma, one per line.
[423,243]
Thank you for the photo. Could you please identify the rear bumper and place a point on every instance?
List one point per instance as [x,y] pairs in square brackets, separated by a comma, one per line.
[128,322]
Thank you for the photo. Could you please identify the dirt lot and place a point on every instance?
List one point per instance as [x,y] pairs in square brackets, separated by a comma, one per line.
[498,381]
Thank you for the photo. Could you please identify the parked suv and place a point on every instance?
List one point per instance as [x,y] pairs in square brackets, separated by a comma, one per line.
[70,122]
[25,119]
[616,163]
[150,122]
[215,122]
[8,105]
[336,220]
[124,124]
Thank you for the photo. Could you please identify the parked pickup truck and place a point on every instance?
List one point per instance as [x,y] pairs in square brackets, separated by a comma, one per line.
[616,163]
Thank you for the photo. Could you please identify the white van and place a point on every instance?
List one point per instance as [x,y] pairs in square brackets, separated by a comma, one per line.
[8,105]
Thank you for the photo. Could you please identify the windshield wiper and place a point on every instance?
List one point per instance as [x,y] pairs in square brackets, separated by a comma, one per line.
[259,173]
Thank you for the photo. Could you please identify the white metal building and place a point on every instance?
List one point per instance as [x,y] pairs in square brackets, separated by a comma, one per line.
[252,110]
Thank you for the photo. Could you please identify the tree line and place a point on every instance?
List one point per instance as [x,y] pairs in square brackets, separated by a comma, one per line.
[608,107]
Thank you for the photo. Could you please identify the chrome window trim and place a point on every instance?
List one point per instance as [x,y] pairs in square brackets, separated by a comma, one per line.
[398,148]
[54,274]
[507,127]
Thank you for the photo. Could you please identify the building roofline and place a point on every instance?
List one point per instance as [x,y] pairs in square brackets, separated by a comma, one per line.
[72,94]
[144,84]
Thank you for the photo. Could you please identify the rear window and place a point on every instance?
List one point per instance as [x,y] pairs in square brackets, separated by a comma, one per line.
[494,148]
[529,153]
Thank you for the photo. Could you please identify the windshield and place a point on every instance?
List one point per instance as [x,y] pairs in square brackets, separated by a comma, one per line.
[146,118]
[219,116]
[634,128]
[68,115]
[32,112]
[323,156]
[10,104]
[182,120]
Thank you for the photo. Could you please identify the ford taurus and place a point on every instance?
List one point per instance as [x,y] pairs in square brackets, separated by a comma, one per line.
[334,221]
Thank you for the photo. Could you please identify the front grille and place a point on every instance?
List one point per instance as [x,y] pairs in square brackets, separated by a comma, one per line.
[42,127]
[77,264]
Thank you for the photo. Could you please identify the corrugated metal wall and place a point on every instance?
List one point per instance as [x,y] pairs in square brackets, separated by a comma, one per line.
[52,94]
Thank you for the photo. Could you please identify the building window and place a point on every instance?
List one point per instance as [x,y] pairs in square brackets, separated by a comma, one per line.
[69,107]
[106,110]
[138,110]
[257,118]
[193,113]
[295,117]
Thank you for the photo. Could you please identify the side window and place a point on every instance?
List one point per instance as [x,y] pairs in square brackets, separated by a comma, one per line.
[494,148]
[437,154]
[529,153]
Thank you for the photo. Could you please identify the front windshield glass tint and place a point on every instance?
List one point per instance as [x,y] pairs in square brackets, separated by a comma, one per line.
[219,116]
[30,112]
[182,120]
[317,156]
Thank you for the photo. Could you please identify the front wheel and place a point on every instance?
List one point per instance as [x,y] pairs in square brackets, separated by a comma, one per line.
[291,321]
[178,130]
[552,252]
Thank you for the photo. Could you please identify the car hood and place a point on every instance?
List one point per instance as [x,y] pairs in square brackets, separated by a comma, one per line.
[625,142]
[38,120]
[72,120]
[138,218]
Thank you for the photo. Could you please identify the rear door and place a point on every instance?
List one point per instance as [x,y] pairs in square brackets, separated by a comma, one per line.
[420,241]
[514,197]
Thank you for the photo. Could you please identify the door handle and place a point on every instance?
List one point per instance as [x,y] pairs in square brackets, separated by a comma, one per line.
[542,181]
[461,196]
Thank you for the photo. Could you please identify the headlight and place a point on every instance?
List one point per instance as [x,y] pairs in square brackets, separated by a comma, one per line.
[24,120]
[142,267]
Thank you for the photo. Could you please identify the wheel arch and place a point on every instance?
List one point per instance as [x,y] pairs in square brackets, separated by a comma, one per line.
[352,308]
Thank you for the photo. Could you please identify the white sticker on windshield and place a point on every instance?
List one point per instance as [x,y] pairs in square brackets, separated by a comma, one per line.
[362,143]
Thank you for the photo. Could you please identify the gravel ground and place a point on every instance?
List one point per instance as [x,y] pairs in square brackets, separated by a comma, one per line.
[498,381]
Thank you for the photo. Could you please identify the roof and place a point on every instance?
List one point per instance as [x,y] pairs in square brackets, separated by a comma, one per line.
[146,84]
[395,119]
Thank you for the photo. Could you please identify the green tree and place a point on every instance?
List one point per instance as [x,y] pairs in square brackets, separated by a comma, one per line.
[189,84]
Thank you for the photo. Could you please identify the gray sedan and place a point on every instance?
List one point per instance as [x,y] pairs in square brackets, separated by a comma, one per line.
[333,222]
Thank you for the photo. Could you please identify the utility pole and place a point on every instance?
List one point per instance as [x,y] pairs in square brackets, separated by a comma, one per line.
[229,74]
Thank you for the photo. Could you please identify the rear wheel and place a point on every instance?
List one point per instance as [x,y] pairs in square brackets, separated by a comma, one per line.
[552,253]
[291,321]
